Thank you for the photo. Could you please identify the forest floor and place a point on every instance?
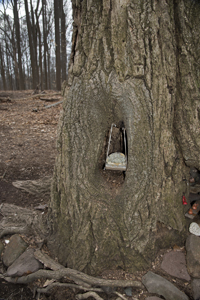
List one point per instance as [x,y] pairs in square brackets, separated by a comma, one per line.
[28,133]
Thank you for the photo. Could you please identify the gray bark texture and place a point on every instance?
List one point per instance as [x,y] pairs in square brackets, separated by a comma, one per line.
[135,62]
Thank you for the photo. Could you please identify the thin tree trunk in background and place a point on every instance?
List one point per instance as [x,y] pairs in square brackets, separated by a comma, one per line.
[57,40]
[3,70]
[40,55]
[8,71]
[34,37]
[40,43]
[28,84]
[15,63]
[63,43]
[136,62]
[12,50]
[49,71]
[44,20]
[17,34]
[28,36]
[31,47]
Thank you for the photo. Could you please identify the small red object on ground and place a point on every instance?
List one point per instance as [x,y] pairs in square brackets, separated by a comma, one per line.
[184,201]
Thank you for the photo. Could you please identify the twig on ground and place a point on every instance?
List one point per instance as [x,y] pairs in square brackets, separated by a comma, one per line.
[4,174]
[42,95]
[87,295]
[120,295]
[37,95]
[49,99]
[13,230]
[48,106]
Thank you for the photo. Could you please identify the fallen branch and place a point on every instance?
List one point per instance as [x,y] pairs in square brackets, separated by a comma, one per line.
[48,99]
[37,95]
[48,106]
[42,95]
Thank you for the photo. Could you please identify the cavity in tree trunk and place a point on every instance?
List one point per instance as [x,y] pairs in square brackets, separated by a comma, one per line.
[136,63]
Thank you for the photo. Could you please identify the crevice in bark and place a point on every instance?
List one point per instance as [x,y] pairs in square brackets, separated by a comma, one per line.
[113,178]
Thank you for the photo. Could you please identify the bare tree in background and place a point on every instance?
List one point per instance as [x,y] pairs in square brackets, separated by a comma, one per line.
[57,43]
[28,43]
[17,35]
[63,42]
[3,75]
[31,37]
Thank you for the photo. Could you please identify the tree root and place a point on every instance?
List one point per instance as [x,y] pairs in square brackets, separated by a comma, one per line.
[13,230]
[48,106]
[87,295]
[19,220]
[47,261]
[96,296]
[70,273]
[47,290]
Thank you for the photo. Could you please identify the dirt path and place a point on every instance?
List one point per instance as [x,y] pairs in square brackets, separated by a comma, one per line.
[28,145]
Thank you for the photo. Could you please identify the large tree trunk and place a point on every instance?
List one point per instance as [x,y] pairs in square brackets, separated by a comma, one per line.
[136,62]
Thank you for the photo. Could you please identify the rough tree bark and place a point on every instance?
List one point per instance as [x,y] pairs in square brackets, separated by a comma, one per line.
[136,62]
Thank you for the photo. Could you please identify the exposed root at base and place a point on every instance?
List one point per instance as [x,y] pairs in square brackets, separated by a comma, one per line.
[25,221]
